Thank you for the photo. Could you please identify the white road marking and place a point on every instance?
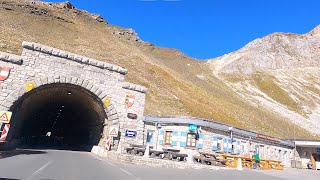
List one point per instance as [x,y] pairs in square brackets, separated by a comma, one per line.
[40,169]
[127,172]
[111,164]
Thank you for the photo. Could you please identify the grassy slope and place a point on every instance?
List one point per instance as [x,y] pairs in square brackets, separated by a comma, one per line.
[170,76]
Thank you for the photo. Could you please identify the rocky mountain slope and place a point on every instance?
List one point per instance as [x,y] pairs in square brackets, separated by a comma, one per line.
[280,73]
[177,84]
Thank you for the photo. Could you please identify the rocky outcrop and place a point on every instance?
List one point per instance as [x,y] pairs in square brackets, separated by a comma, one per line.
[275,51]
[128,34]
[41,8]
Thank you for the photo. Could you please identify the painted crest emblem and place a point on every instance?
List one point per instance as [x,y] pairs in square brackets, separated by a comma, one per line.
[4,73]
[107,102]
[30,86]
[130,100]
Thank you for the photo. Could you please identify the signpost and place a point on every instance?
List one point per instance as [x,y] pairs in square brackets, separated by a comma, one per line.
[108,143]
[131,133]
[5,116]
[5,132]
[113,131]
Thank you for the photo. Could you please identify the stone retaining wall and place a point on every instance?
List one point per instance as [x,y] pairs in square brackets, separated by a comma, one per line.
[154,162]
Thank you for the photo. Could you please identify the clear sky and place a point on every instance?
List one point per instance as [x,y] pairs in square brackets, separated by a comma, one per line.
[206,28]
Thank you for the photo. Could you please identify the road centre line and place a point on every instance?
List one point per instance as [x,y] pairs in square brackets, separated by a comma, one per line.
[127,172]
[111,164]
[40,169]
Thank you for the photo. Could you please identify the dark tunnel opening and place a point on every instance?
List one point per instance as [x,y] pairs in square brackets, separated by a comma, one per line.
[58,116]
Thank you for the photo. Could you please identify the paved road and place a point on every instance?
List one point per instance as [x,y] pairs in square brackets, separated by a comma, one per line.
[71,165]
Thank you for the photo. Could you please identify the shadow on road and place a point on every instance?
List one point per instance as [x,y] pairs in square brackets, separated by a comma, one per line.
[6,154]
[84,148]
[8,179]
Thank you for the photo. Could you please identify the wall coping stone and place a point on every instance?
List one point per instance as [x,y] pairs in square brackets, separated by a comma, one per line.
[12,58]
[74,57]
[134,87]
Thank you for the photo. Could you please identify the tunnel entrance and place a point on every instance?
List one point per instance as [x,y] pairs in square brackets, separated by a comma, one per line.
[62,116]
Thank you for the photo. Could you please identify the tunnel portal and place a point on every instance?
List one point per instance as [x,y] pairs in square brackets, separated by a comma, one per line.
[58,115]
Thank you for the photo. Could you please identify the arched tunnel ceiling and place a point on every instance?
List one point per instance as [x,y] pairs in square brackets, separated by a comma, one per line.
[65,110]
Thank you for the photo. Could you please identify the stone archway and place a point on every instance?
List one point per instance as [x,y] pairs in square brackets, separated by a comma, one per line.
[45,66]
[54,93]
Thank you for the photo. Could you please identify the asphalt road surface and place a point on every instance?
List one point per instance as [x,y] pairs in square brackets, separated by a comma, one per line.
[72,165]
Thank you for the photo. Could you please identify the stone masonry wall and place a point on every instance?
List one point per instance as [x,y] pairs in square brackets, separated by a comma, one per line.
[45,65]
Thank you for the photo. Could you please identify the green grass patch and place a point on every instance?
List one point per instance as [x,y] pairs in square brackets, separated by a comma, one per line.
[268,85]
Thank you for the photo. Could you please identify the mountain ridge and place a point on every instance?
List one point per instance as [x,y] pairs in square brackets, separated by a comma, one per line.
[177,84]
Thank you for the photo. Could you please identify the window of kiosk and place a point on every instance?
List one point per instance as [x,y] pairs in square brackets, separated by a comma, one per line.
[191,140]
[149,136]
[220,148]
[168,138]
[234,146]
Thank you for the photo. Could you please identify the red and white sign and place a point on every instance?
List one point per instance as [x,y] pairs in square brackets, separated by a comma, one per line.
[108,143]
[5,132]
[5,116]
[130,100]
[4,73]
[113,131]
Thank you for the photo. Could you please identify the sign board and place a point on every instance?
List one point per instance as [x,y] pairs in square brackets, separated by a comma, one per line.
[108,143]
[5,116]
[4,73]
[29,85]
[262,136]
[5,132]
[132,116]
[107,102]
[113,131]
[131,133]
[193,127]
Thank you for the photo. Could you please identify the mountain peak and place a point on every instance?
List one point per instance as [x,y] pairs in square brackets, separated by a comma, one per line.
[315,31]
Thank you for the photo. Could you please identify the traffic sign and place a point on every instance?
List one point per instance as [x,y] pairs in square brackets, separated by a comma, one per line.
[130,133]
[5,132]
[30,85]
[5,116]
[113,131]
[108,143]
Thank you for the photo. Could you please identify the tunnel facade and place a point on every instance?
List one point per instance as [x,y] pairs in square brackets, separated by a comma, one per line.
[72,97]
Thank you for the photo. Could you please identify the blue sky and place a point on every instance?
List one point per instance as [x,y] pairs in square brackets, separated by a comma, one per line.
[206,28]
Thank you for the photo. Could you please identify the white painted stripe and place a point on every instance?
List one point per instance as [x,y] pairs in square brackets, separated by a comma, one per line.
[4,73]
[39,170]
[127,172]
[111,164]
